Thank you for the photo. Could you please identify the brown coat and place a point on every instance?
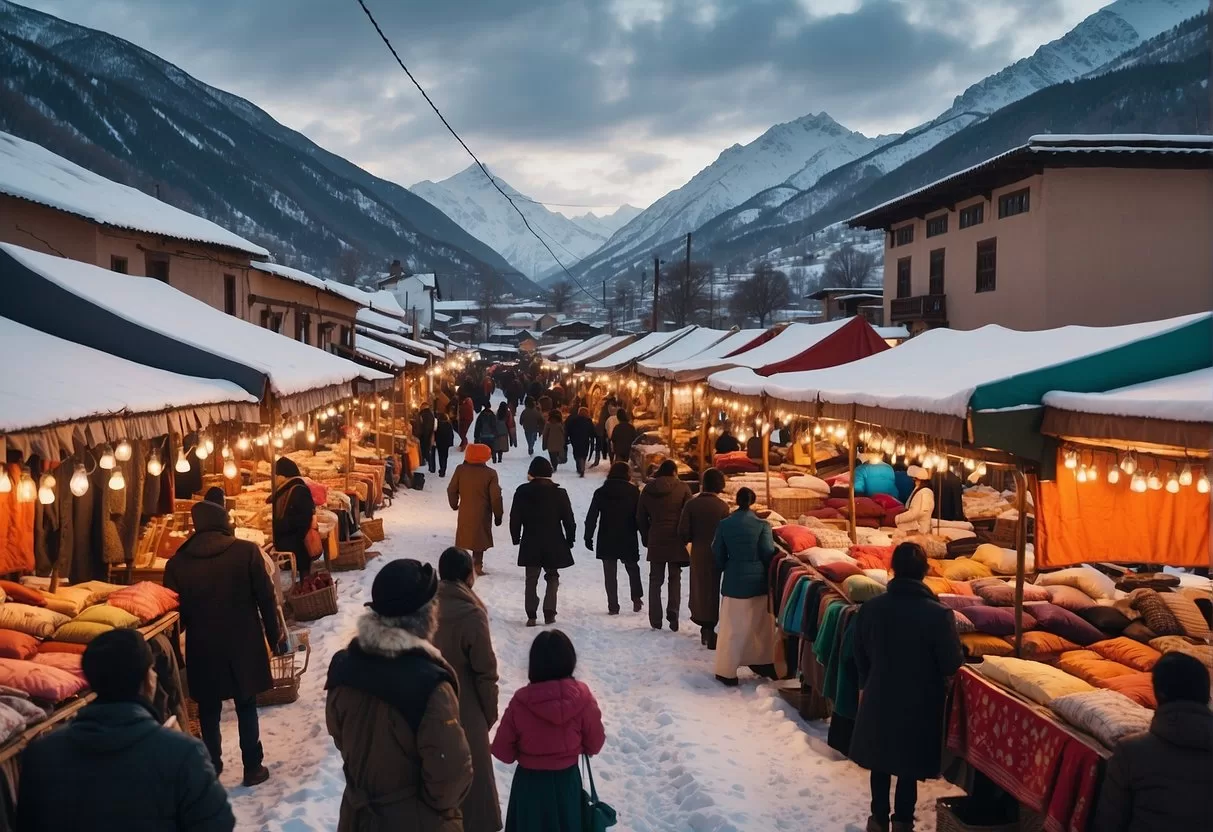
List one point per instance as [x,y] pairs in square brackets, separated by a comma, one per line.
[700,517]
[463,637]
[397,778]
[475,493]
[657,516]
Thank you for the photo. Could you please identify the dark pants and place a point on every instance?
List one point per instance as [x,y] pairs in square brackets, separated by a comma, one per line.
[498,455]
[427,451]
[580,462]
[442,453]
[610,575]
[552,577]
[554,458]
[250,731]
[903,801]
[532,436]
[657,577]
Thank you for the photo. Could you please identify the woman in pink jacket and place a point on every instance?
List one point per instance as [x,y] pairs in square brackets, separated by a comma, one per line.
[546,728]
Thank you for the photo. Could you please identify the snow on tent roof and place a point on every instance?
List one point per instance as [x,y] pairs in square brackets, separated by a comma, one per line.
[689,346]
[456,305]
[736,342]
[892,333]
[551,349]
[33,173]
[787,343]
[49,382]
[581,347]
[642,348]
[929,384]
[854,340]
[379,351]
[601,350]
[373,320]
[149,321]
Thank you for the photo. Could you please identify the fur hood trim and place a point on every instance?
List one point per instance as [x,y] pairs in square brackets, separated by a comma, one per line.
[387,637]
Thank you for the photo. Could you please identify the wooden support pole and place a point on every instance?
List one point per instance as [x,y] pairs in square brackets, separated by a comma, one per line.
[851,484]
[378,436]
[1021,546]
[669,416]
[349,441]
[766,454]
[813,448]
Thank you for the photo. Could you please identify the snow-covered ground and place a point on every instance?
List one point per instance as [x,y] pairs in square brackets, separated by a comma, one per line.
[683,753]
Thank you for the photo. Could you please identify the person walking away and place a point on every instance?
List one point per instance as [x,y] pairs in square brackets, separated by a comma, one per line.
[547,727]
[532,424]
[697,527]
[475,492]
[444,440]
[485,430]
[501,441]
[294,514]
[601,444]
[612,421]
[580,433]
[393,712]
[614,504]
[875,476]
[229,614]
[658,513]
[511,422]
[917,516]
[743,548]
[464,641]
[906,648]
[113,742]
[622,436]
[1159,781]
[425,436]
[727,443]
[543,529]
[467,413]
[554,439]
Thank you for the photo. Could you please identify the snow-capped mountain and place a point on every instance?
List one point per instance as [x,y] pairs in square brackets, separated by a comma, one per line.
[607,224]
[470,199]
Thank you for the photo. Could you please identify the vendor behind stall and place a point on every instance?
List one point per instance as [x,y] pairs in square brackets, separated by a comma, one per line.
[294,509]
[920,508]
[875,476]
[727,443]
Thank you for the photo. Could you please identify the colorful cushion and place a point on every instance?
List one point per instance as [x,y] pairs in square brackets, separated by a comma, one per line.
[1037,681]
[1002,594]
[888,502]
[860,588]
[963,624]
[1087,578]
[1155,613]
[81,632]
[796,538]
[60,647]
[819,556]
[1002,561]
[16,645]
[839,571]
[867,507]
[17,593]
[933,545]
[1104,714]
[34,620]
[872,557]
[880,576]
[68,600]
[965,569]
[145,600]
[1187,613]
[100,590]
[109,616]
[1128,652]
[39,681]
[824,513]
[832,539]
[1045,647]
[1178,644]
[1139,632]
[1067,597]
[1152,580]
[958,602]
[28,710]
[997,621]
[11,723]
[1107,619]
[810,482]
[1088,666]
[979,645]
[1054,619]
[1136,685]
[70,662]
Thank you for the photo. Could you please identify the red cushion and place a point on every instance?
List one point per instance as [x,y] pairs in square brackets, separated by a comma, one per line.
[840,503]
[867,507]
[873,557]
[21,594]
[887,502]
[824,513]
[61,647]
[797,538]
[15,645]
[145,600]
[840,571]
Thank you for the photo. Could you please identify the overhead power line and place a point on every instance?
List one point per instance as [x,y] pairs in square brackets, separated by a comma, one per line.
[464,145]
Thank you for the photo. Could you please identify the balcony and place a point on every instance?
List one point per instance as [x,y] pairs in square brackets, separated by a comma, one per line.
[930,309]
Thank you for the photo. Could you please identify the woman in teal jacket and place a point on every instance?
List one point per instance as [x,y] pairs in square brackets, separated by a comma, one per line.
[743,548]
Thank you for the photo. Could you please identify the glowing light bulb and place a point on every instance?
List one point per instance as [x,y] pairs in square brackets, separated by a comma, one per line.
[1092,472]
[941,464]
[262,441]
[1081,476]
[288,431]
[230,469]
[1202,484]
[6,485]
[361,425]
[1138,484]
[1128,464]
[970,465]
[981,469]
[311,438]
[1185,476]
[209,444]
[154,466]
[1154,481]
[1071,460]
[225,452]
[299,425]
[78,484]
[27,489]
[200,451]
[385,404]
[122,452]
[183,464]
[46,490]
[278,443]
[901,449]
[1172,484]
[331,412]
[117,481]
[889,445]
[242,444]
[106,462]
[1113,475]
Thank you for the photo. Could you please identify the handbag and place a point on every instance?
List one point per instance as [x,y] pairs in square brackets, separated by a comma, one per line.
[313,543]
[596,816]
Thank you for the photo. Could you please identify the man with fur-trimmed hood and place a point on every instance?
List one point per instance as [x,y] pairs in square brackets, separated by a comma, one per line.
[393,712]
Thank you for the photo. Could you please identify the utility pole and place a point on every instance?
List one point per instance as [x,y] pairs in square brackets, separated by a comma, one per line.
[605,309]
[656,289]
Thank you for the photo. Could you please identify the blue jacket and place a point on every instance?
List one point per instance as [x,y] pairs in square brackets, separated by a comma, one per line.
[743,548]
[875,478]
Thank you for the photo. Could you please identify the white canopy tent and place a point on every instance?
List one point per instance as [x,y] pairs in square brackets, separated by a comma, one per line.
[639,349]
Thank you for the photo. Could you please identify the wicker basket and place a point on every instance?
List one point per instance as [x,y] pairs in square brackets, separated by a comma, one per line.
[951,815]
[794,506]
[372,530]
[287,674]
[351,554]
[309,606]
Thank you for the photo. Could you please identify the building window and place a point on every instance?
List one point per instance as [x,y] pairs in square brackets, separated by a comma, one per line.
[119,264]
[973,215]
[229,294]
[346,341]
[937,225]
[271,321]
[936,282]
[903,277]
[1013,203]
[987,265]
[905,235]
[324,336]
[156,266]
[303,327]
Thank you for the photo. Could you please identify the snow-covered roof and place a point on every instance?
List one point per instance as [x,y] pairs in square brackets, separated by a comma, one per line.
[600,349]
[551,349]
[382,352]
[456,305]
[496,348]
[670,369]
[791,341]
[639,349]
[859,296]
[892,333]
[381,300]
[403,342]
[580,347]
[289,366]
[31,172]
[1182,398]
[689,346]
[442,317]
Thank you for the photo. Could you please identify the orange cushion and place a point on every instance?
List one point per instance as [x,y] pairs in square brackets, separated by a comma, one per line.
[1137,686]
[1128,652]
[61,647]
[15,645]
[477,453]
[21,594]
[145,600]
[1045,647]
[937,585]
[1088,666]
[977,645]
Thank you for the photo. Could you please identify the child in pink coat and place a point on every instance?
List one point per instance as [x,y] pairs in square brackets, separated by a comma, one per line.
[546,728]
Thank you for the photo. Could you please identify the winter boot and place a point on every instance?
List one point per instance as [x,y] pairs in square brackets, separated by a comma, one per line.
[767,671]
[673,625]
[902,826]
[255,777]
[530,622]
[875,824]
[637,604]
[712,640]
[731,682]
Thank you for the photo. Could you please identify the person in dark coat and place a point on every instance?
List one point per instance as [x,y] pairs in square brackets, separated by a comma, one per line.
[444,440]
[115,766]
[601,440]
[623,436]
[554,439]
[294,510]
[614,503]
[658,513]
[464,640]
[501,440]
[425,436]
[753,448]
[229,614]
[544,530]
[727,443]
[906,648]
[579,433]
[485,430]
[1159,781]
[697,527]
[532,422]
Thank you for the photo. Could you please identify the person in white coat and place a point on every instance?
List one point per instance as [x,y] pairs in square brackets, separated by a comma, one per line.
[921,507]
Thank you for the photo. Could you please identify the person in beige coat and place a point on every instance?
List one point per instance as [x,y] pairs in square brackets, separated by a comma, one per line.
[476,494]
[917,516]
[393,713]
[463,637]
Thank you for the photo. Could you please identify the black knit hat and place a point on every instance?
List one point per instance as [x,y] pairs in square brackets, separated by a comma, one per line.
[620,471]
[713,481]
[540,467]
[402,587]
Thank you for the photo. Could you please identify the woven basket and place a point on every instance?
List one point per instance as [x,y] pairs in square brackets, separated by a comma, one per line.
[287,674]
[794,506]
[372,529]
[950,811]
[351,554]
[312,605]
[195,723]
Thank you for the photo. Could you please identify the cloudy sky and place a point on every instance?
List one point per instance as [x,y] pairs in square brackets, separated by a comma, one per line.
[586,102]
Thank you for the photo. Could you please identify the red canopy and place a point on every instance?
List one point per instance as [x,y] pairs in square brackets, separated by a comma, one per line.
[759,341]
[854,340]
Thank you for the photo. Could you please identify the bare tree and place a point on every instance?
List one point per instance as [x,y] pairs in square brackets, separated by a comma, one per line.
[761,294]
[488,290]
[560,296]
[684,293]
[624,300]
[848,268]
[350,265]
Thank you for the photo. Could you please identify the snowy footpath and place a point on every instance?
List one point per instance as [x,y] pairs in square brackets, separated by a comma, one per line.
[683,753]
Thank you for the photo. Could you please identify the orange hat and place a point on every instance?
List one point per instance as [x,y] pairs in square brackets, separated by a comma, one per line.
[477,454]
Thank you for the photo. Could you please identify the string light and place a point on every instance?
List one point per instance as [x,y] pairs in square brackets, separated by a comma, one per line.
[27,489]
[154,466]
[183,464]
[230,469]
[1081,476]
[941,464]
[6,484]
[78,484]
[981,469]
[242,444]
[970,465]
[1185,476]
[1154,481]
[299,425]
[1202,484]
[209,444]
[1071,460]
[311,438]
[46,489]
[1172,484]
[117,481]
[331,411]
[122,453]
[106,462]
[1138,484]
[1113,475]
[278,443]
[1128,463]
[1092,472]
[201,451]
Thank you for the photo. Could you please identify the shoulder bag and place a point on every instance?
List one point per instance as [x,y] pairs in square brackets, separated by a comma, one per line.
[596,816]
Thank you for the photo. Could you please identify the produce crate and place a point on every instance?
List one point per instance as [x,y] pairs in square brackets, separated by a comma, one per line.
[309,606]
